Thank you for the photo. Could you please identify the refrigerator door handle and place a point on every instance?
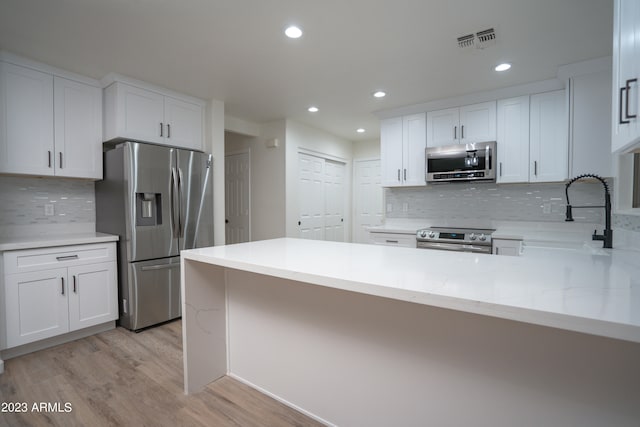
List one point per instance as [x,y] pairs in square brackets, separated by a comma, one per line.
[180,211]
[175,194]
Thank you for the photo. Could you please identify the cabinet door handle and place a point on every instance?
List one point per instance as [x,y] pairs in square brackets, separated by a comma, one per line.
[161,129]
[405,174]
[455,132]
[74,285]
[168,130]
[49,157]
[398,175]
[60,153]
[535,167]
[66,257]
[500,168]
[62,284]
[620,120]
[626,98]
[462,132]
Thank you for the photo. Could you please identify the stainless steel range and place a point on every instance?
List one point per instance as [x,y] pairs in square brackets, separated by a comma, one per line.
[455,239]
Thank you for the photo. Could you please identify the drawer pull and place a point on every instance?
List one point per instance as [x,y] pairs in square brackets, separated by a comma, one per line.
[392,241]
[66,257]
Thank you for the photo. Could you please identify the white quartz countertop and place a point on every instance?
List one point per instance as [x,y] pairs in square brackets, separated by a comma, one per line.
[584,290]
[33,242]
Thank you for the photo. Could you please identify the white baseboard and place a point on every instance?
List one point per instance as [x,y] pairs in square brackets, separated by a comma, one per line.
[281,400]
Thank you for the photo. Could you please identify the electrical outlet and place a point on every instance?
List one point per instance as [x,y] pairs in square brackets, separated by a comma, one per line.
[48,210]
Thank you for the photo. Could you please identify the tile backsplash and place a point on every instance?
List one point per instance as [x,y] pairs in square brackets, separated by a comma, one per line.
[23,200]
[502,202]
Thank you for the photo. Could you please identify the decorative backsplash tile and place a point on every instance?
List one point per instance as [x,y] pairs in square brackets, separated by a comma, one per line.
[23,200]
[627,222]
[507,202]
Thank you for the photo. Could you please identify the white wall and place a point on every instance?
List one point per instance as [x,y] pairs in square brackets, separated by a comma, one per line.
[366,149]
[214,144]
[313,141]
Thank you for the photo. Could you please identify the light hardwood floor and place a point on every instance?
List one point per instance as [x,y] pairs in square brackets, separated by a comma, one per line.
[120,378]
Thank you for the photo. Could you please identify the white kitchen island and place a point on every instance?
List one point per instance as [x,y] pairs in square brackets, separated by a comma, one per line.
[357,335]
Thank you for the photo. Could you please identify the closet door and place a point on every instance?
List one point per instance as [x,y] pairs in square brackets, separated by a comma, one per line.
[321,198]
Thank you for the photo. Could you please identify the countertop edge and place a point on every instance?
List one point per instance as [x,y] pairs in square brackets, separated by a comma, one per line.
[562,321]
[51,241]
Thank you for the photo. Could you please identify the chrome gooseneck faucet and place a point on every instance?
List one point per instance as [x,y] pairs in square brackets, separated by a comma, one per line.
[607,235]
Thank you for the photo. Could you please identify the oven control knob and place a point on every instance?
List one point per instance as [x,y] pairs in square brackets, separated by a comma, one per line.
[473,236]
[432,234]
[423,234]
[483,237]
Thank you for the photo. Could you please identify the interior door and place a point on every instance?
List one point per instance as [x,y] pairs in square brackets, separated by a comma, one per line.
[237,198]
[311,197]
[334,201]
[195,182]
[368,198]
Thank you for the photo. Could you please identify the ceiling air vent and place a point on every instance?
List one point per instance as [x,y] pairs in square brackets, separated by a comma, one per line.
[479,40]
[486,38]
[466,41]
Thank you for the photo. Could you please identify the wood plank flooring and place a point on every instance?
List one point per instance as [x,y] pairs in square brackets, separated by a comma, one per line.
[120,378]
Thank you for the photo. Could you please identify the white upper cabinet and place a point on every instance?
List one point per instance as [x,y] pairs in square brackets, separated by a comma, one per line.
[141,114]
[478,122]
[626,72]
[391,151]
[402,143]
[513,140]
[442,127]
[464,125]
[78,129]
[26,121]
[184,123]
[590,121]
[413,155]
[49,125]
[548,137]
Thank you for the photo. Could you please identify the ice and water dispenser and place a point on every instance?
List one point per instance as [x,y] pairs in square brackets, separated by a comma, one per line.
[148,209]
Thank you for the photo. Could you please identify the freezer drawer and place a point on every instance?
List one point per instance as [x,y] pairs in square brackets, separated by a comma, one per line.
[154,293]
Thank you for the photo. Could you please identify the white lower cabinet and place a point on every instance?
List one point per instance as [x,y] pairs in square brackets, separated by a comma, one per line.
[43,302]
[393,239]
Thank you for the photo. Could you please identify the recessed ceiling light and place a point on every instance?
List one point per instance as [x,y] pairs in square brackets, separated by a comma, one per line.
[379,94]
[312,109]
[503,67]
[293,32]
[360,130]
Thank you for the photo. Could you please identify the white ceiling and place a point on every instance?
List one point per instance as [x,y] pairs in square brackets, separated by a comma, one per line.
[235,51]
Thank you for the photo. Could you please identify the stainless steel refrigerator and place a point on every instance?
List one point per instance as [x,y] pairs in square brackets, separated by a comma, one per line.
[159,200]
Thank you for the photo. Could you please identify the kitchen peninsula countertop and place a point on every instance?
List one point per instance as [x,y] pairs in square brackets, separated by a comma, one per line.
[43,241]
[588,290]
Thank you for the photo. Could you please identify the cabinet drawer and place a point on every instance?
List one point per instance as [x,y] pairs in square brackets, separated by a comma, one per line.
[392,239]
[62,256]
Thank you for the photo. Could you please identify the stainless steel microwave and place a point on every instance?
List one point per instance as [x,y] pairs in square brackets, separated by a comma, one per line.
[461,162]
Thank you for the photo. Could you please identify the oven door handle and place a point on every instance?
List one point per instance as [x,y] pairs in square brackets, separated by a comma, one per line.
[454,247]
